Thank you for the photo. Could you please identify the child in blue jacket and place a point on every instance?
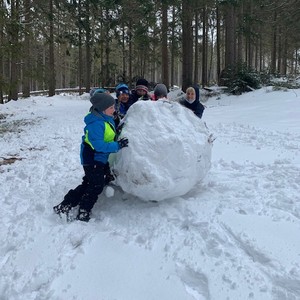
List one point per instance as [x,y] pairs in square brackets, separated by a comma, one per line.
[124,99]
[98,142]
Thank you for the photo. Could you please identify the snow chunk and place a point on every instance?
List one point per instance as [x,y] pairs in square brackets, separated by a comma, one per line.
[168,152]
[109,192]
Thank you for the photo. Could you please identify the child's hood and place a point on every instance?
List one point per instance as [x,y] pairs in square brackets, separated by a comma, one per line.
[91,118]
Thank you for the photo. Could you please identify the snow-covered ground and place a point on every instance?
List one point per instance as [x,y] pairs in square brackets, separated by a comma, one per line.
[233,236]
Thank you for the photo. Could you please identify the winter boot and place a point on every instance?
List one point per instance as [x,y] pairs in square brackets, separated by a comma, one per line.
[62,209]
[83,215]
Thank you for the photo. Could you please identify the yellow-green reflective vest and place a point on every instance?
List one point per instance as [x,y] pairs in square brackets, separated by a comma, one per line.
[109,134]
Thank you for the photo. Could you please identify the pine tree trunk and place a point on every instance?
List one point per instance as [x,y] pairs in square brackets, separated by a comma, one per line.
[229,36]
[123,51]
[218,45]
[51,71]
[279,61]
[1,53]
[107,62]
[164,49]
[274,46]
[80,55]
[87,47]
[284,54]
[14,51]
[130,54]
[204,50]
[187,44]
[196,63]
[27,53]
[173,43]
[240,44]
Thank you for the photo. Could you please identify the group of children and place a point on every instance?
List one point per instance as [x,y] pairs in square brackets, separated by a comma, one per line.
[100,138]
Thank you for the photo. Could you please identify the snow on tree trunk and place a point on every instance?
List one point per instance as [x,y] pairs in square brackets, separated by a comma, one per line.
[168,154]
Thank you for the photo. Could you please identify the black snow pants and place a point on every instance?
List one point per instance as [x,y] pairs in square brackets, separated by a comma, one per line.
[86,194]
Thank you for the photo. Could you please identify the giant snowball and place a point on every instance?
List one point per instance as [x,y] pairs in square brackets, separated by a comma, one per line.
[168,154]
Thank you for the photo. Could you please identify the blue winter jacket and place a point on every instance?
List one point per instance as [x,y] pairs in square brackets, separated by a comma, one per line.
[122,108]
[98,140]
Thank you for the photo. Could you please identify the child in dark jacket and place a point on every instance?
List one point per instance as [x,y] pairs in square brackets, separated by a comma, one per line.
[98,142]
[191,102]
[141,91]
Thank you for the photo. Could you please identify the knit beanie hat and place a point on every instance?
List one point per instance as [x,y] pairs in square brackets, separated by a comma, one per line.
[97,90]
[100,90]
[142,87]
[160,90]
[102,101]
[122,88]
[143,82]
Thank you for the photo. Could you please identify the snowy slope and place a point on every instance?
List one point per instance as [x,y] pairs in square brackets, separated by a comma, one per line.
[234,236]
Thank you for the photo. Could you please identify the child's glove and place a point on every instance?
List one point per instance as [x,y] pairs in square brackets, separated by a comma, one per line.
[123,143]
